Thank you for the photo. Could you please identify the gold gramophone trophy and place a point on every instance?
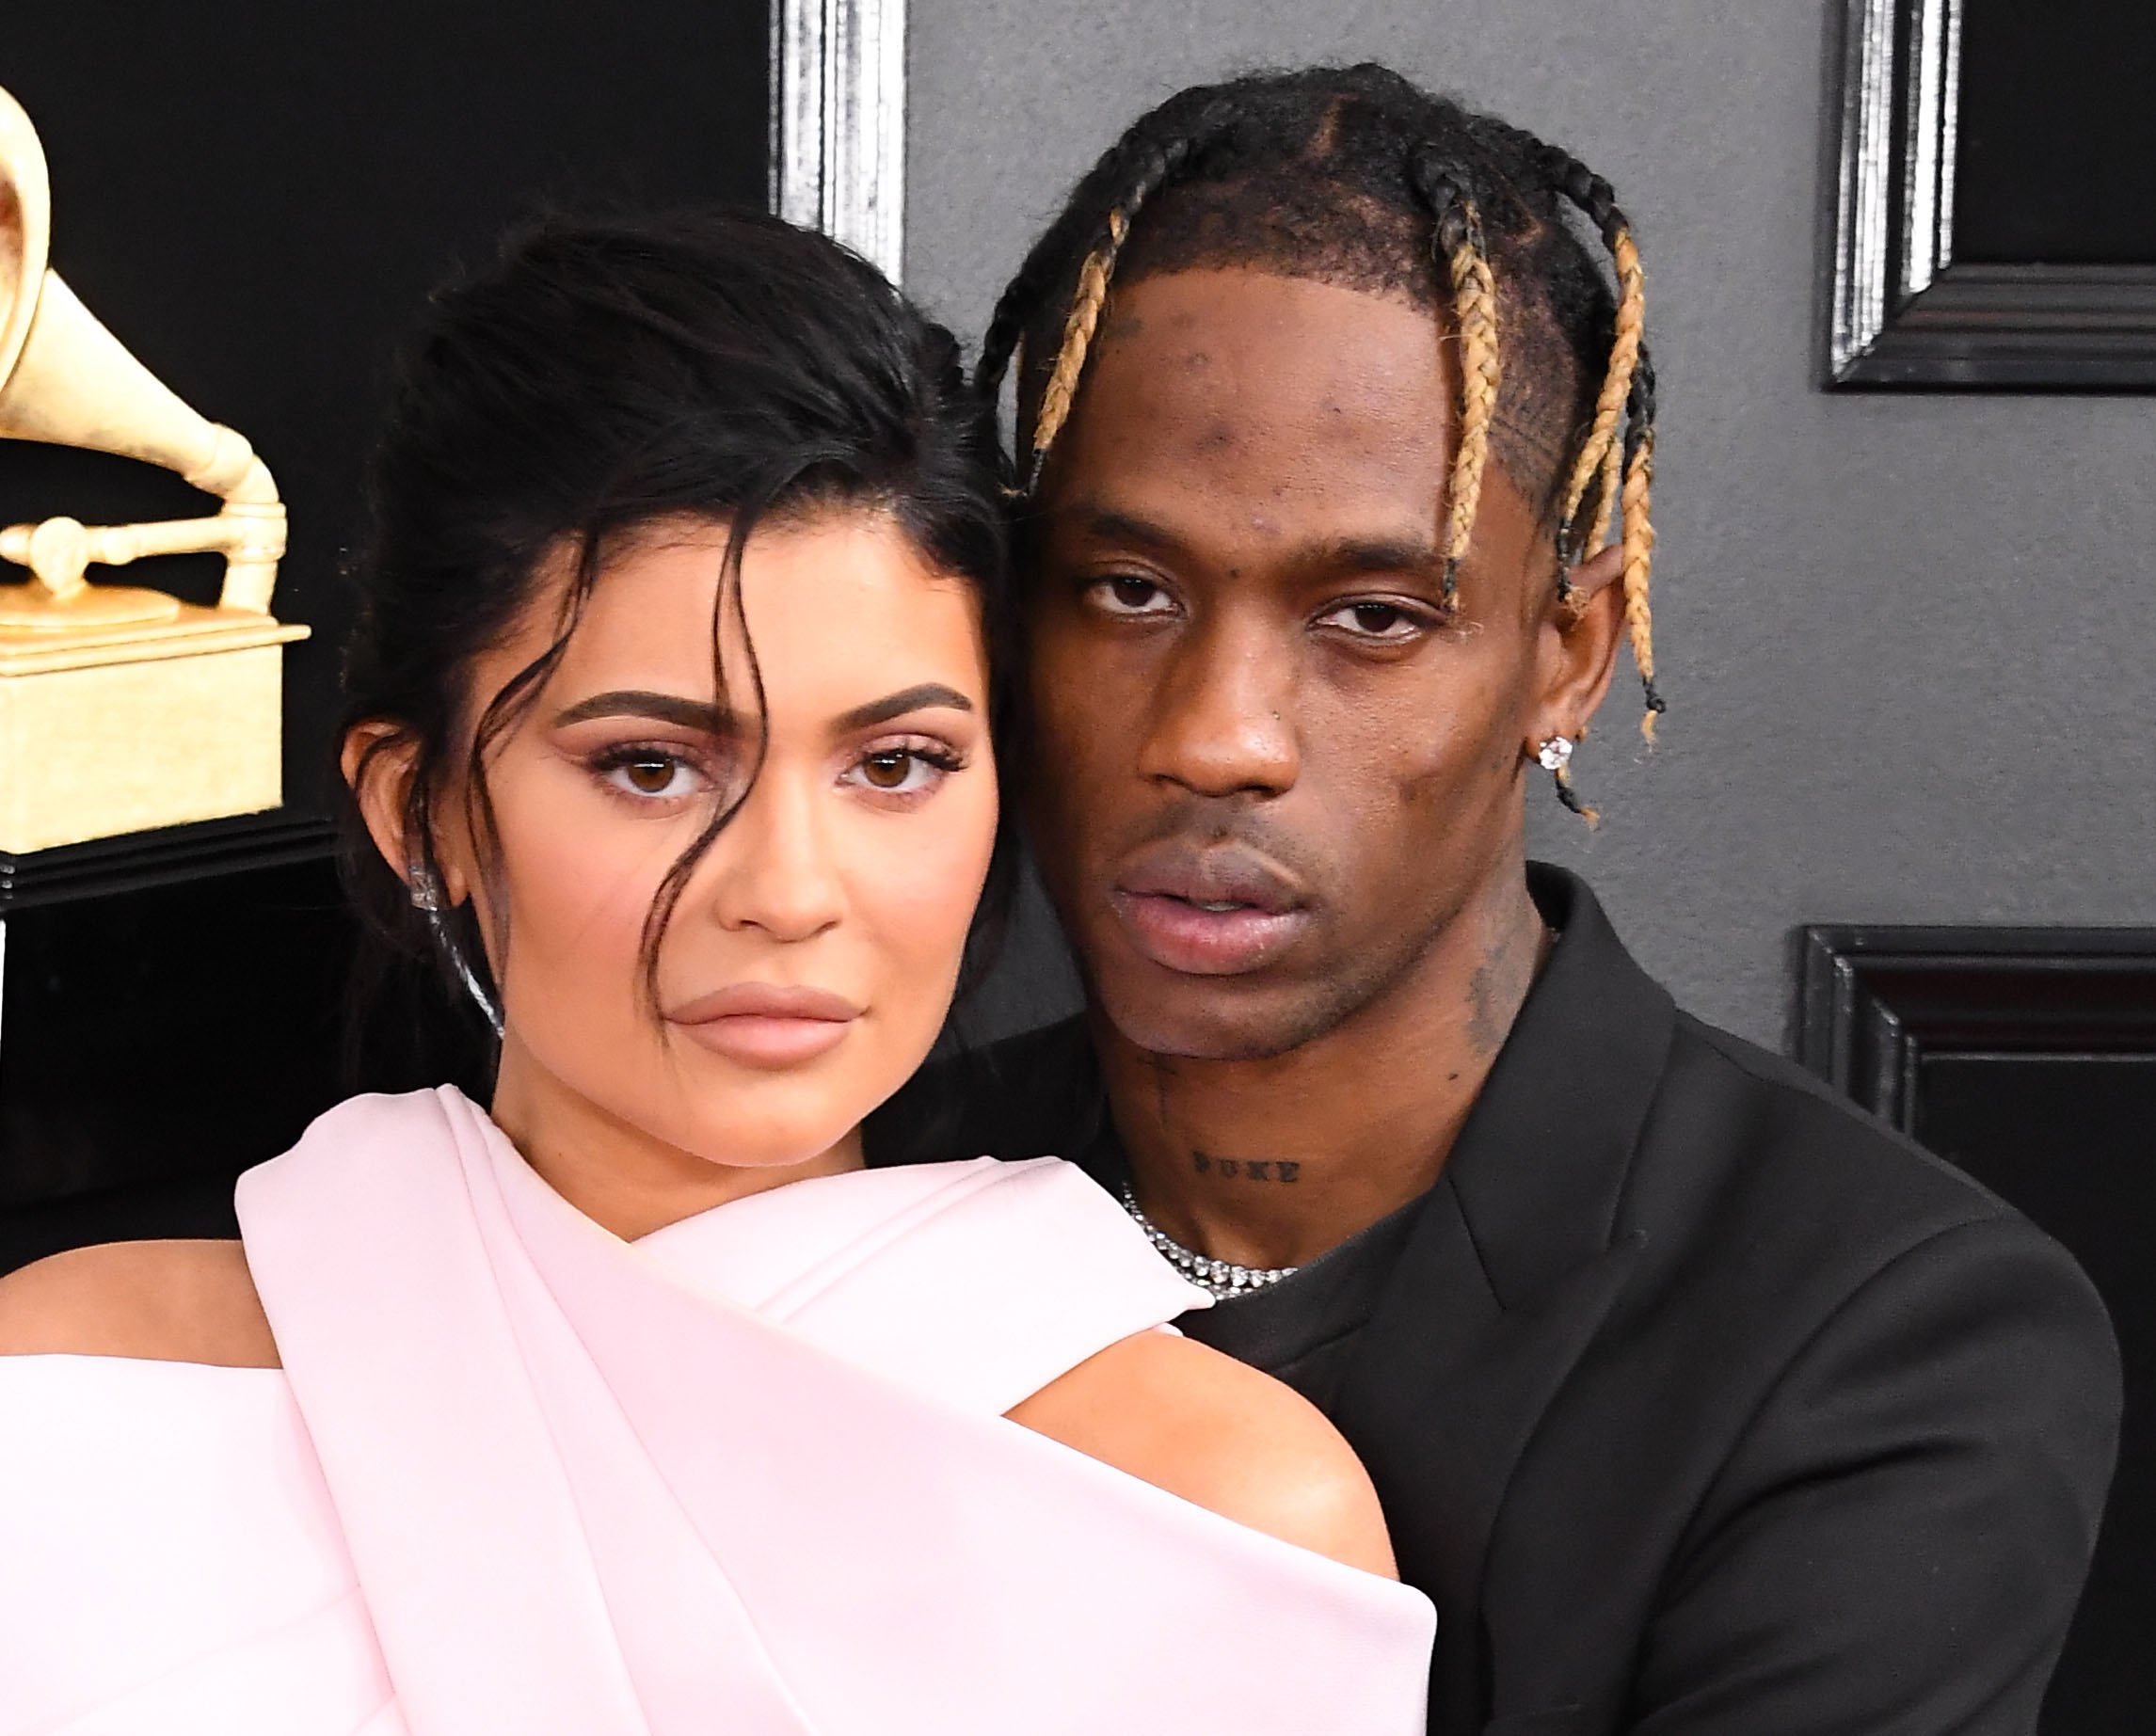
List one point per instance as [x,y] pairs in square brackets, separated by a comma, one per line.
[122,709]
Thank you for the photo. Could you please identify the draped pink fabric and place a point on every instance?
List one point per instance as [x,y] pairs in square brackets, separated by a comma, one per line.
[747,1475]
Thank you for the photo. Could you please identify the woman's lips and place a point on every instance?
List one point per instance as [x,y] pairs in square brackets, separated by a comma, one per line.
[1211,938]
[766,1025]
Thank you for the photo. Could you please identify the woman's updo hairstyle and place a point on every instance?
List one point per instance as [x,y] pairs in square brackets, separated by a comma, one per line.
[596,377]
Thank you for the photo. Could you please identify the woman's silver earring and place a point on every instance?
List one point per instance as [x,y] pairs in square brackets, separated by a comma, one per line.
[1554,756]
[427,896]
[426,887]
[488,1008]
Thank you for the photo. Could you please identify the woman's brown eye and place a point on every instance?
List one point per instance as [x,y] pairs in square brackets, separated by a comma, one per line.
[650,777]
[886,770]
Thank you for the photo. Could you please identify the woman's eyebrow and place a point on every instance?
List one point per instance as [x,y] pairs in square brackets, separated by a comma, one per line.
[920,698]
[661,708]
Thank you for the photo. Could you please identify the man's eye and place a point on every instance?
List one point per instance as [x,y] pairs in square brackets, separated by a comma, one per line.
[1128,593]
[1374,621]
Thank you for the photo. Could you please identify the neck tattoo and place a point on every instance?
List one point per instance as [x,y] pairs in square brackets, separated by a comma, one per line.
[1221,1278]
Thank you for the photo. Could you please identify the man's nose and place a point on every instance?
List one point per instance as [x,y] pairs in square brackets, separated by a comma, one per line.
[1222,721]
[774,867]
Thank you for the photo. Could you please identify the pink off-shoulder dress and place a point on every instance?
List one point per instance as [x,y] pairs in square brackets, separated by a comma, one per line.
[749,1475]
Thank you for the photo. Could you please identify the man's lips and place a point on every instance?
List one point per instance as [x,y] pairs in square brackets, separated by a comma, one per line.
[1209,911]
[766,1025]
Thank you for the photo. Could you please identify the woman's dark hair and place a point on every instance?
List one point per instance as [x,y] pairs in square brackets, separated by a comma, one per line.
[1355,176]
[597,378]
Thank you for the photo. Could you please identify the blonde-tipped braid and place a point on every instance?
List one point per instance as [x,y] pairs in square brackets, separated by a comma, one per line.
[1600,454]
[1086,305]
[1570,797]
[1623,367]
[1638,565]
[1481,374]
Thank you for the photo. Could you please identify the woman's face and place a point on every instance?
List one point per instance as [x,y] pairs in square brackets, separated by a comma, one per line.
[810,960]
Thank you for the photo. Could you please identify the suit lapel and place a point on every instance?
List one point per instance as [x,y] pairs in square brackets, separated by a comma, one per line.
[1515,1262]
[1445,1390]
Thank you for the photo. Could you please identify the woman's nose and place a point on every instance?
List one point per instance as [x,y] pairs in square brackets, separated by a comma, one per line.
[773,866]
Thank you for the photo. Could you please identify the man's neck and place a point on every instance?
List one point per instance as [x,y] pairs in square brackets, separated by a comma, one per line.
[1269,1163]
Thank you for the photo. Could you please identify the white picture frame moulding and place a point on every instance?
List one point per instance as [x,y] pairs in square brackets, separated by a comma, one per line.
[1905,313]
[839,122]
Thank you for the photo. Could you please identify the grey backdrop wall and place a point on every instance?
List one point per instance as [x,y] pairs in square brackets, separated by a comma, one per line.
[1908,642]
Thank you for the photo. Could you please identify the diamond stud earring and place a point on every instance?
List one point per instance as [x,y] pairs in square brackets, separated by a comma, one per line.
[1554,756]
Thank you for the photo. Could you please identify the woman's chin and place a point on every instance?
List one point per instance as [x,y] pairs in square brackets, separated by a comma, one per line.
[775,1136]
[746,1118]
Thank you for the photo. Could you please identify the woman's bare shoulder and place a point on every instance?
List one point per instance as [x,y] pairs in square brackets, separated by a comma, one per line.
[190,1301]
[1209,1428]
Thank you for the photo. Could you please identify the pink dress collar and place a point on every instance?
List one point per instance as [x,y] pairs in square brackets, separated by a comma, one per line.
[749,1474]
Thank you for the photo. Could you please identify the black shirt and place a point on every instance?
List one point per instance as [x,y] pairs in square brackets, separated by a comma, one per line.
[1697,1401]
[1304,1329]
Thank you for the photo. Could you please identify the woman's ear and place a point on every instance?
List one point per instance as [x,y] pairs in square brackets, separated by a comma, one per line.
[378,761]
[1580,638]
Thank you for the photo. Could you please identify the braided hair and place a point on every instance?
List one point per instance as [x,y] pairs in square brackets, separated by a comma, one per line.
[1356,177]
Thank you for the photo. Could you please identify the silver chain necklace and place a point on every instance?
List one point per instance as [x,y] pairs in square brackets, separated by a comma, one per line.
[1223,1280]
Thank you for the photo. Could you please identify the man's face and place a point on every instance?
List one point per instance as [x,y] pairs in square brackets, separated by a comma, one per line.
[1267,774]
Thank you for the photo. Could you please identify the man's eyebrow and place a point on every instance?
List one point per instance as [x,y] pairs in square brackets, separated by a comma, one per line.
[661,708]
[1112,524]
[1362,554]
[923,698]
[1374,554]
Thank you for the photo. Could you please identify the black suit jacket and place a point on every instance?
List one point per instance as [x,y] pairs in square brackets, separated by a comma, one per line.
[1697,1401]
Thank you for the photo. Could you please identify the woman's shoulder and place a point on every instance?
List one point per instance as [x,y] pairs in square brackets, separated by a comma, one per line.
[1200,1424]
[170,1301]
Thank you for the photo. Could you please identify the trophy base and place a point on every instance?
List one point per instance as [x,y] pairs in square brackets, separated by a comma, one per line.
[110,730]
[31,608]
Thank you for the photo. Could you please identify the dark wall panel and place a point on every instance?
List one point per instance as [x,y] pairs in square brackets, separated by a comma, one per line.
[2028,1057]
[2066,1139]
[256,195]
[2057,131]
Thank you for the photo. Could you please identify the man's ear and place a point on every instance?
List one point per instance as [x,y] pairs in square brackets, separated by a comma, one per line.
[379,760]
[1580,642]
